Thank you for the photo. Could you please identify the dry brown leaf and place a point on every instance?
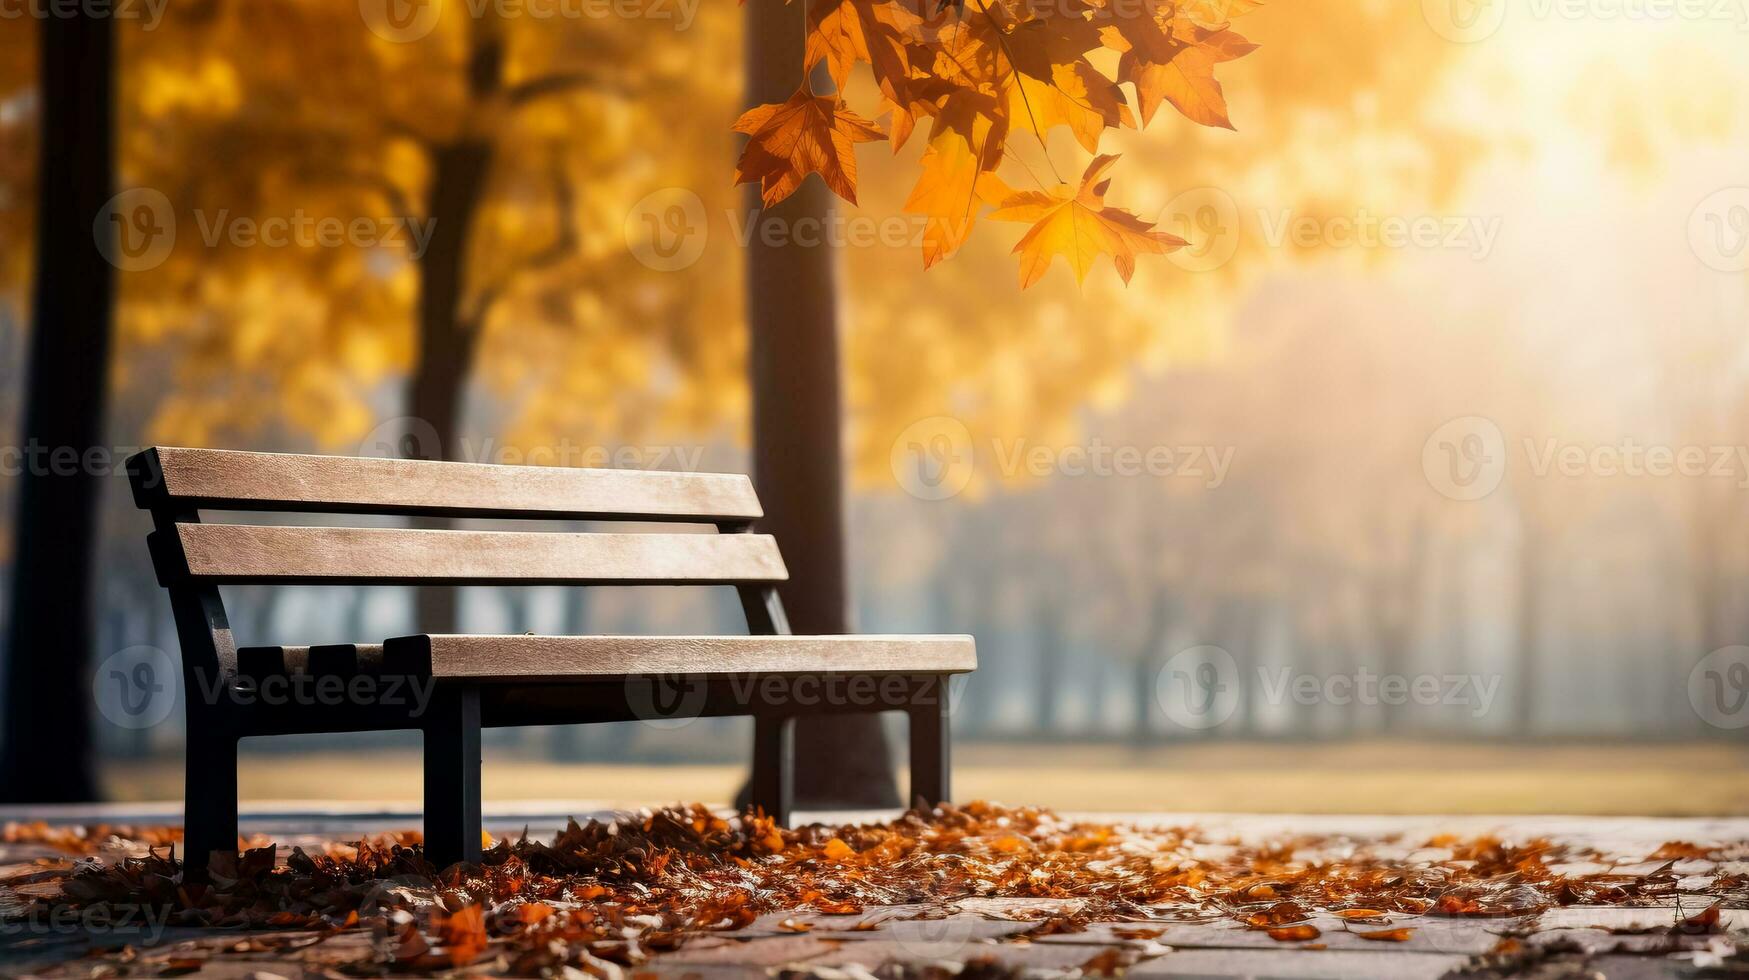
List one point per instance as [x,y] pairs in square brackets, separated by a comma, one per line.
[1398,935]
[1294,934]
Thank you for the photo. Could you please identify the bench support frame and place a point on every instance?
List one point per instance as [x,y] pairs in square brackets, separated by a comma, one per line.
[452,775]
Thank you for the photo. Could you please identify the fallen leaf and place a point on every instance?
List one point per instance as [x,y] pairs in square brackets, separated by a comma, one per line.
[1678,850]
[464,935]
[1106,963]
[1294,934]
[1398,935]
[1137,933]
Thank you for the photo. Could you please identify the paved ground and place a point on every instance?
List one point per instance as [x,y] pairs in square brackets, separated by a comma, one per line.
[1563,944]
[1345,776]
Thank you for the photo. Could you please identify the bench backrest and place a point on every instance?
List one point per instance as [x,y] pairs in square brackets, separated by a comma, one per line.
[192,557]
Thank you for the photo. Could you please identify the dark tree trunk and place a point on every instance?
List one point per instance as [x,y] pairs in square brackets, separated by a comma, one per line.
[568,742]
[47,749]
[1529,629]
[1396,611]
[1146,678]
[1048,678]
[792,313]
[1231,631]
[446,337]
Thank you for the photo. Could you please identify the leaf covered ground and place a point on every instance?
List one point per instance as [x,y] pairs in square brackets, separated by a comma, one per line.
[607,896]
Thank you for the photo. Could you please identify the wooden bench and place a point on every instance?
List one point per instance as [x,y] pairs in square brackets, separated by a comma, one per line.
[482,681]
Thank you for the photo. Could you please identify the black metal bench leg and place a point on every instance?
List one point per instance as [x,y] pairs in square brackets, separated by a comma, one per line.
[773,785]
[931,765]
[210,797]
[452,776]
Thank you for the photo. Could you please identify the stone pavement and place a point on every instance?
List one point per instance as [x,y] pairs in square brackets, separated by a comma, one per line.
[987,937]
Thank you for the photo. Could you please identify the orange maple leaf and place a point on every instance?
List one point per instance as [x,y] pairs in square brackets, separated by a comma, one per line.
[1079,226]
[958,173]
[807,134]
[464,935]
[844,32]
[1174,61]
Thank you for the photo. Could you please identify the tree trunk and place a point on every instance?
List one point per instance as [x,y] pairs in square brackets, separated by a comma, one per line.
[792,314]
[1146,678]
[446,338]
[1231,631]
[1396,609]
[1048,678]
[47,749]
[1529,629]
[568,744]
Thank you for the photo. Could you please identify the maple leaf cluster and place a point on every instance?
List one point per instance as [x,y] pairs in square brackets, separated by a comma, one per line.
[619,892]
[983,73]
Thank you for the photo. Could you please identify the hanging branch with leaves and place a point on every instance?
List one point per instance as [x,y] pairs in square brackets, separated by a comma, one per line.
[980,72]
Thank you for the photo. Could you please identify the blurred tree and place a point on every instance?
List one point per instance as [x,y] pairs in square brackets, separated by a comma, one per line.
[843,759]
[49,645]
[492,162]
[460,149]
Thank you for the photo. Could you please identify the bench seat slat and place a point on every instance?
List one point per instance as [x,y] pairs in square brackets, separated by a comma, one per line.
[519,658]
[220,479]
[247,553]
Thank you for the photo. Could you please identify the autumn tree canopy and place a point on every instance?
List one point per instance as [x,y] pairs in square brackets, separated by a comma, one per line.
[984,73]
[300,345]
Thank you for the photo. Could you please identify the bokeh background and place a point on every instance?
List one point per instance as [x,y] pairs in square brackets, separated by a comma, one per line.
[1504,445]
